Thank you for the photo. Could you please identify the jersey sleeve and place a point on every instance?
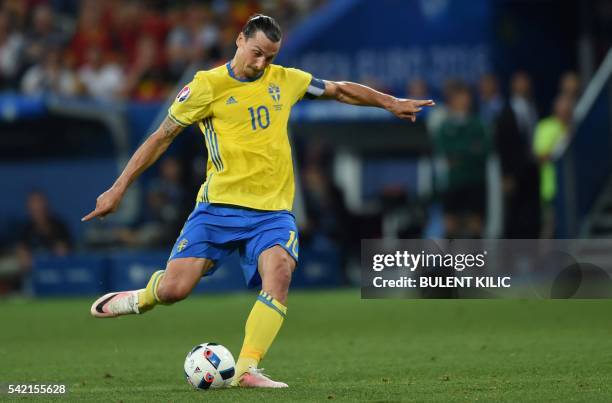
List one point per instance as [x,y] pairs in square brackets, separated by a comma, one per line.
[315,89]
[193,102]
[305,84]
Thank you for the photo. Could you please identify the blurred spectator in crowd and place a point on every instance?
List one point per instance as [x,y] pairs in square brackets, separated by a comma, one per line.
[12,275]
[130,20]
[325,207]
[522,104]
[240,11]
[193,39]
[137,35]
[150,42]
[17,12]
[164,212]
[145,78]
[50,76]
[285,11]
[570,85]
[520,176]
[41,233]
[227,44]
[11,48]
[418,89]
[462,143]
[124,20]
[513,134]
[436,116]
[170,184]
[43,35]
[288,11]
[491,100]
[91,33]
[328,221]
[100,79]
[551,137]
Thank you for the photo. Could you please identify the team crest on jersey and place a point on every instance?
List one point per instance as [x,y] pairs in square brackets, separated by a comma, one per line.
[182,245]
[184,94]
[275,93]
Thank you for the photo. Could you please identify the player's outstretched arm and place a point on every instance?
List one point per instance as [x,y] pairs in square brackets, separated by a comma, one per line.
[153,147]
[358,94]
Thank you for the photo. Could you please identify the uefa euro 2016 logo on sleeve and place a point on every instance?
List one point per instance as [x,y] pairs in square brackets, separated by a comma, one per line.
[184,94]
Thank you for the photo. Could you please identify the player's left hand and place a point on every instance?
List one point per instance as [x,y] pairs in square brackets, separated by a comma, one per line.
[408,108]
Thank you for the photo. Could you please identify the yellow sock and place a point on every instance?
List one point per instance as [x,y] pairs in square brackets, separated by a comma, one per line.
[264,322]
[147,298]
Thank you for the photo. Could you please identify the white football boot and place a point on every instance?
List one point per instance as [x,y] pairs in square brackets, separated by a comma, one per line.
[116,304]
[256,379]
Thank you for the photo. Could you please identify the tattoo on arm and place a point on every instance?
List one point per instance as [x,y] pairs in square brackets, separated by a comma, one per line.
[169,129]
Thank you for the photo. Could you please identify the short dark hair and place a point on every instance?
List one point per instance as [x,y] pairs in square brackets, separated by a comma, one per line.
[263,23]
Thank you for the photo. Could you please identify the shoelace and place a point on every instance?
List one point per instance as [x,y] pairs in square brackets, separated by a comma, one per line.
[122,305]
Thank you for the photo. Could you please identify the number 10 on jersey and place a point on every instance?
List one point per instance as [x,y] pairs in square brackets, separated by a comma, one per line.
[259,117]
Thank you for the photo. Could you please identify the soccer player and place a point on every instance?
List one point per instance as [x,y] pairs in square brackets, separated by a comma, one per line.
[245,203]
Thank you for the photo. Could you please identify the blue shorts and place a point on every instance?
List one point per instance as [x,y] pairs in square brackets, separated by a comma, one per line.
[214,231]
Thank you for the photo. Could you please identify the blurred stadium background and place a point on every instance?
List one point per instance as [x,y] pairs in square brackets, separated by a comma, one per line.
[518,145]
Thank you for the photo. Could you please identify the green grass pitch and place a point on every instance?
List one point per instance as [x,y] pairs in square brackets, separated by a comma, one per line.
[333,347]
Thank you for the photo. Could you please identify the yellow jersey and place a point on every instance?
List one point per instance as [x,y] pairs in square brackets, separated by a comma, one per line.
[244,122]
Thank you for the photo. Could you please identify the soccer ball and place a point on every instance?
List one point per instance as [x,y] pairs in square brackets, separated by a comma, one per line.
[209,366]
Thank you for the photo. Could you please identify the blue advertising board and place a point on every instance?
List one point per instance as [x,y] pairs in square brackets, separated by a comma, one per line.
[387,42]
[69,275]
[94,275]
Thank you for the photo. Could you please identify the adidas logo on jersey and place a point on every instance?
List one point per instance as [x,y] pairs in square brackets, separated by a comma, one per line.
[231,100]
